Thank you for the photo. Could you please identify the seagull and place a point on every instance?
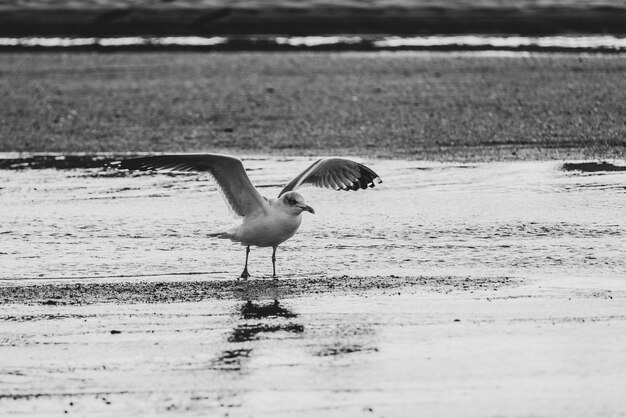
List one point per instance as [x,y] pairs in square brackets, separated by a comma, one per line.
[266,222]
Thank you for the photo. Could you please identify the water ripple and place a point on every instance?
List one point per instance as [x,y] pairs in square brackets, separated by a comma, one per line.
[427,218]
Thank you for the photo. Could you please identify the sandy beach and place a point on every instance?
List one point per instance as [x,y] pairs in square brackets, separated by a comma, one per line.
[351,347]
[483,289]
[430,106]
[484,277]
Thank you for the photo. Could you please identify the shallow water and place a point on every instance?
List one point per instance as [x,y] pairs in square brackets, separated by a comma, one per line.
[519,219]
[392,355]
[459,346]
[571,42]
[598,43]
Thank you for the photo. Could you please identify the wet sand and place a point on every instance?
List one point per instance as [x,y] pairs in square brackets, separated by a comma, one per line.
[194,289]
[465,290]
[532,347]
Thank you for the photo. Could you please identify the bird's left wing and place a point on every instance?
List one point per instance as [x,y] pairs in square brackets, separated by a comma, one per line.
[227,171]
[335,173]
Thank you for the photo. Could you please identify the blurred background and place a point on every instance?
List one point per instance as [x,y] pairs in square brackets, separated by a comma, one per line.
[255,24]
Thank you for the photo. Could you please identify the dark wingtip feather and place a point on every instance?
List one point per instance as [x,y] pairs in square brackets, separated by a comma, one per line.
[152,163]
[367,178]
[130,164]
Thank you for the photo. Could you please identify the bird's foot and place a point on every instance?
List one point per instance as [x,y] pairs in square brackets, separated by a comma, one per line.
[244,274]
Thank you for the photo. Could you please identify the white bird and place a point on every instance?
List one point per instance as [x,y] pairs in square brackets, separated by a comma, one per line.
[266,222]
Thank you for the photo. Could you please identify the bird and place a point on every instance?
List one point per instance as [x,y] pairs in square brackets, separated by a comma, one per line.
[265,222]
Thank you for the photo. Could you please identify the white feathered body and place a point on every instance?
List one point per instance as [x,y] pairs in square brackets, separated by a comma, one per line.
[268,228]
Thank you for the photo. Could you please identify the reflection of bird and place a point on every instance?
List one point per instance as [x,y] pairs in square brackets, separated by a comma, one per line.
[266,222]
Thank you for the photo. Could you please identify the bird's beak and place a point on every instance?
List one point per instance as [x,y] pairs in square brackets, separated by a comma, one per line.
[308,209]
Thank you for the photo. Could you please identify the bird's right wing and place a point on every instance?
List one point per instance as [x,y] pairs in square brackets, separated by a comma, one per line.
[228,172]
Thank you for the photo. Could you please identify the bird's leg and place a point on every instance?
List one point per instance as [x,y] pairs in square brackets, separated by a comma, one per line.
[274,261]
[245,274]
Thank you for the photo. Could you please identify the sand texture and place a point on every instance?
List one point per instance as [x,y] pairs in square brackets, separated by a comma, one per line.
[408,105]
[459,289]
[416,346]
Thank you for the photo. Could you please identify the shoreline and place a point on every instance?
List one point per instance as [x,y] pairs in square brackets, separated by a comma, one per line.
[127,291]
[611,158]
[463,43]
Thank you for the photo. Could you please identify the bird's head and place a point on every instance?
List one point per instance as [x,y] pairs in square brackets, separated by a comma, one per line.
[294,203]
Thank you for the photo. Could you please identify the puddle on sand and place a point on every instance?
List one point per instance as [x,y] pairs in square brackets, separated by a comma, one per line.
[339,353]
[426,218]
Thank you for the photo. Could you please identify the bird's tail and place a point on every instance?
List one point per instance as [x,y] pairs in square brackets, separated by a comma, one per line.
[221,234]
[231,234]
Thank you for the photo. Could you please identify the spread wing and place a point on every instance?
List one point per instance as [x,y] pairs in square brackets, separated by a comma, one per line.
[336,174]
[227,171]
